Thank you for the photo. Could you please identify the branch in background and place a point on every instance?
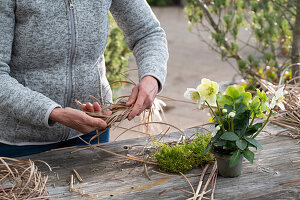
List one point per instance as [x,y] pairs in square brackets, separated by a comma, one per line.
[296,43]
[214,25]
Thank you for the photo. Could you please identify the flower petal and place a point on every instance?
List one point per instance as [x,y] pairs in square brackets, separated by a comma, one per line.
[192,94]
[279,93]
[212,100]
[281,106]
[273,103]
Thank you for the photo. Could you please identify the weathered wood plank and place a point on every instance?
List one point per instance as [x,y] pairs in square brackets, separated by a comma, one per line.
[111,177]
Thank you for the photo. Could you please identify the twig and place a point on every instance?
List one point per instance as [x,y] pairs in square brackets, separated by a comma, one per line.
[77,175]
[208,180]
[146,172]
[201,180]
[297,181]
[188,182]
[113,153]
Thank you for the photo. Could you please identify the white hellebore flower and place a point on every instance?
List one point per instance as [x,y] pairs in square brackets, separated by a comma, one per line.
[208,90]
[193,94]
[218,127]
[224,110]
[277,99]
[231,114]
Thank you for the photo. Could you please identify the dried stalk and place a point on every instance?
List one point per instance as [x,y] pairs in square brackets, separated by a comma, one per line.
[201,181]
[77,175]
[187,180]
[21,180]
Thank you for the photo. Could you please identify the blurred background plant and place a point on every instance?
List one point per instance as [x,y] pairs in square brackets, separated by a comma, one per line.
[163,2]
[258,38]
[116,55]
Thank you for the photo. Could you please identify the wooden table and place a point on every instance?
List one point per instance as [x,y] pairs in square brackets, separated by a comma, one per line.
[112,177]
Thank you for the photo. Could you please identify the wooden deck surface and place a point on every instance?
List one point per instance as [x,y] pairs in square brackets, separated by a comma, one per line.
[112,177]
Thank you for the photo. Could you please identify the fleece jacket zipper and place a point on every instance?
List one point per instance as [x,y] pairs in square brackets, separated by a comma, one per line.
[70,84]
[72,54]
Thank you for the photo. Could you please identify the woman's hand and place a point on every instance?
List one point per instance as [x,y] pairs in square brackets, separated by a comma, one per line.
[79,120]
[142,96]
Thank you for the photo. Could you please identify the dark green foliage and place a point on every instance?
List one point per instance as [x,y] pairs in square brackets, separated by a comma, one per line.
[249,155]
[241,144]
[160,2]
[236,156]
[116,54]
[230,136]
[183,157]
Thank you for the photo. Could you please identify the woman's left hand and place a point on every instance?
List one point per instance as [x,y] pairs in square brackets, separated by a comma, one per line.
[142,96]
[95,107]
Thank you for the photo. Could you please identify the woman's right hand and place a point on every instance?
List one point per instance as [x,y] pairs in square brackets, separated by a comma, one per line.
[79,120]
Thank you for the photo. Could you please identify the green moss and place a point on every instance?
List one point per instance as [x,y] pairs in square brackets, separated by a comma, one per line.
[183,157]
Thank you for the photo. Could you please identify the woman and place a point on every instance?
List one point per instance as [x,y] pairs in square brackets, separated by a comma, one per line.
[51,52]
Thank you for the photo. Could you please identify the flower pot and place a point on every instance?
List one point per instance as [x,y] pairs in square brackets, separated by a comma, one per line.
[223,166]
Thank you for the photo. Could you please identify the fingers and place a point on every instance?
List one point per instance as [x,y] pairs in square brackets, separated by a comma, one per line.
[90,107]
[83,107]
[97,107]
[138,106]
[133,96]
[96,123]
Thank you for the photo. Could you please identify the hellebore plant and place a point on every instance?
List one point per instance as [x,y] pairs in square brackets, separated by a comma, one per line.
[234,114]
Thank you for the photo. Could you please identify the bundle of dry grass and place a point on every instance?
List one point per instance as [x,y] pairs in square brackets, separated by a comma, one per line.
[21,180]
[290,117]
[119,111]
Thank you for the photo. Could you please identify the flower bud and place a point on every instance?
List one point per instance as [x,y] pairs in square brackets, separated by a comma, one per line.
[218,127]
[224,110]
[231,114]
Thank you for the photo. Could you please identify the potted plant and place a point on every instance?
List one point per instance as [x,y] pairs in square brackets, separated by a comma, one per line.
[234,114]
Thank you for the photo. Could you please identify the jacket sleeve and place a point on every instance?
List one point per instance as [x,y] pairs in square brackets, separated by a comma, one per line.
[18,101]
[144,37]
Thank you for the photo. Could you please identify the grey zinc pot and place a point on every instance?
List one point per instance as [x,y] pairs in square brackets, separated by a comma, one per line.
[223,166]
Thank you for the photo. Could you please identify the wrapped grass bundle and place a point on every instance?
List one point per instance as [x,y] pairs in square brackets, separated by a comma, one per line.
[119,111]
[21,180]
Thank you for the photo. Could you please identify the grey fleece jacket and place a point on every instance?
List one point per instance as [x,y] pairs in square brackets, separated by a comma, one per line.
[51,53]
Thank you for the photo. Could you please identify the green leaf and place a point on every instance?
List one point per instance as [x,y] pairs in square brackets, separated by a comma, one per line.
[249,155]
[247,98]
[217,136]
[254,142]
[253,129]
[235,158]
[239,100]
[234,91]
[229,136]
[241,144]
[254,105]
[224,99]
[208,149]
[241,122]
[262,95]
[220,143]
[229,108]
[241,108]
[238,94]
